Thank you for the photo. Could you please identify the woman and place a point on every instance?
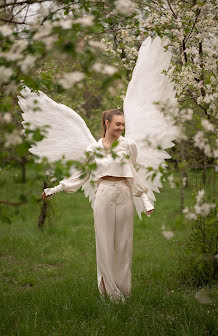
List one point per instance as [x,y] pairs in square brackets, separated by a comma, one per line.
[113,210]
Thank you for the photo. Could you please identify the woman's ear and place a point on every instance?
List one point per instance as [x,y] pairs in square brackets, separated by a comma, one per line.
[107,123]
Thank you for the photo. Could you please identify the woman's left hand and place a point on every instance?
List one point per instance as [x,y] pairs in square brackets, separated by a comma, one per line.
[149,212]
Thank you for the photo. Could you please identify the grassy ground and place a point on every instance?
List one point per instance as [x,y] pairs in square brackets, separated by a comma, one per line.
[49,282]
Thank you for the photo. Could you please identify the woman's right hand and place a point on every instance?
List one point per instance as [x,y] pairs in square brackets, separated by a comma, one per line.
[43,195]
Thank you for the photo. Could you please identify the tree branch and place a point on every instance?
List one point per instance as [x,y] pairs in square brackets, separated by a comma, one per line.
[30,2]
[11,21]
[171,8]
[196,19]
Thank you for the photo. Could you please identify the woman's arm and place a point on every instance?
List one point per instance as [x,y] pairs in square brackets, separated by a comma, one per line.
[69,185]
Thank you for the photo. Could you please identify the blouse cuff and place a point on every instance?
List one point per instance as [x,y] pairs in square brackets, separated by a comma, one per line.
[147,204]
[50,191]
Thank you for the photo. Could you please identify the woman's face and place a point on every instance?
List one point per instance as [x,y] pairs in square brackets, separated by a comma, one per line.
[116,126]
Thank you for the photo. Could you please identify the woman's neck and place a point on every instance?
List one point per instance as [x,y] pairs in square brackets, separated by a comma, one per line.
[109,138]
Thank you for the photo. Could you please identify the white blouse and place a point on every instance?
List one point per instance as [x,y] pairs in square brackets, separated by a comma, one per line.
[119,166]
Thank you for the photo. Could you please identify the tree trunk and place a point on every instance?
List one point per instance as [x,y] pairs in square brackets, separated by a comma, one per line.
[42,216]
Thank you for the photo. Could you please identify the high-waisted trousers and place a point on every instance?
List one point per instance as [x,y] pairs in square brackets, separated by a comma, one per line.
[113,222]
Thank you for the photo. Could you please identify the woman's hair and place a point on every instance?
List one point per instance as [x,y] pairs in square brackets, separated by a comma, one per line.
[108,115]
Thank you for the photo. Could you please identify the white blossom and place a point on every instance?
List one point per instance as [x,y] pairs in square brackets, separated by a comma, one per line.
[43,10]
[96,44]
[200,208]
[207,125]
[104,68]
[27,63]
[66,24]
[201,142]
[13,138]
[15,52]
[200,195]
[108,46]
[7,117]
[125,7]
[186,114]
[69,79]
[6,73]
[188,214]
[85,21]
[6,30]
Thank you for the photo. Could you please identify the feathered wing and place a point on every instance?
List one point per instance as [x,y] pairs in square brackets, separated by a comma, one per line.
[67,134]
[143,119]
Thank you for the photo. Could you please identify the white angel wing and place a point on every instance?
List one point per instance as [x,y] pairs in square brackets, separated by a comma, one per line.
[143,118]
[67,135]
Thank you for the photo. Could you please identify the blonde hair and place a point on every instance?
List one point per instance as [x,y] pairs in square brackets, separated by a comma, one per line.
[108,115]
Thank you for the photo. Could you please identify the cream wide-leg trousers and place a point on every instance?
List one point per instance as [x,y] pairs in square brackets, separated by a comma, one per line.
[113,222]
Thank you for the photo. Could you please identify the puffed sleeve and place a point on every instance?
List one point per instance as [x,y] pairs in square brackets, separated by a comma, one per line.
[139,190]
[71,184]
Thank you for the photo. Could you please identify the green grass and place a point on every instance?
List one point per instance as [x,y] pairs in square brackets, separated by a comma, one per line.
[49,282]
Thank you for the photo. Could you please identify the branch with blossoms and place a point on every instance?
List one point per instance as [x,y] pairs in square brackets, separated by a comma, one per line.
[200,208]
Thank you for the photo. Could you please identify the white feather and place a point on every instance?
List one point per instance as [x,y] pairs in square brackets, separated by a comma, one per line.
[143,119]
[67,135]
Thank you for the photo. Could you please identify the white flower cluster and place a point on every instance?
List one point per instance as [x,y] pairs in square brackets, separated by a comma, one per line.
[200,208]
[202,142]
[69,79]
[5,30]
[125,7]
[96,45]
[26,63]
[7,117]
[16,51]
[86,20]
[6,73]
[104,68]
[207,125]
[13,138]
[126,35]
[132,52]
[185,114]
[108,46]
